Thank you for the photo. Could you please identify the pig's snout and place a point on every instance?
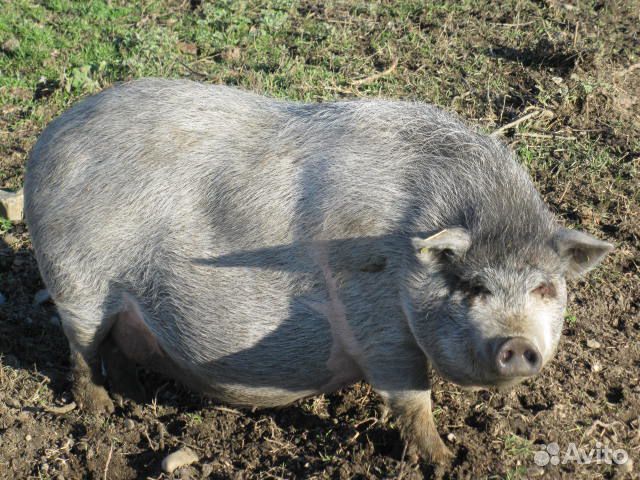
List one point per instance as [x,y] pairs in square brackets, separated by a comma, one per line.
[517,357]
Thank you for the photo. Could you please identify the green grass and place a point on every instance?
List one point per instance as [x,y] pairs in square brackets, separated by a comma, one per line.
[57,51]
[5,225]
[516,446]
[194,419]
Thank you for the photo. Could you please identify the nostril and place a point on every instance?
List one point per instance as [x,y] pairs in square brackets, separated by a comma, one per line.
[506,355]
[531,357]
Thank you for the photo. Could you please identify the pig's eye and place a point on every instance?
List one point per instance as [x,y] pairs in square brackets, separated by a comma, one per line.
[545,290]
[480,291]
[476,290]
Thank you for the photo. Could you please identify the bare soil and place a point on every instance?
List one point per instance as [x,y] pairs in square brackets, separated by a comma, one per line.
[589,395]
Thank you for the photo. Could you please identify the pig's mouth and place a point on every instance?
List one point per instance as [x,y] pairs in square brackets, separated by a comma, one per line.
[480,375]
[496,386]
[479,384]
[502,385]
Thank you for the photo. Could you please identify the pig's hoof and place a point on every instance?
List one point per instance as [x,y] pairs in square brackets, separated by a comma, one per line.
[432,450]
[438,453]
[136,393]
[128,387]
[93,399]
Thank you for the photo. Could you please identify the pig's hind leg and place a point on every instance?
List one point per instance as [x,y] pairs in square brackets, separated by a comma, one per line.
[131,343]
[121,372]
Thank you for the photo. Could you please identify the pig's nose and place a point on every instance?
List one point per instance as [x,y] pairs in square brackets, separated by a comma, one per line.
[518,357]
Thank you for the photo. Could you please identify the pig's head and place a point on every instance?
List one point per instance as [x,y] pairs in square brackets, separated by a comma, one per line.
[489,313]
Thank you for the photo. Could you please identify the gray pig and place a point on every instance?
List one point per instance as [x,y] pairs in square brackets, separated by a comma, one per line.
[262,251]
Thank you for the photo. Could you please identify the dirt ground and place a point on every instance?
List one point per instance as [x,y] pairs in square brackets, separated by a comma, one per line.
[575,67]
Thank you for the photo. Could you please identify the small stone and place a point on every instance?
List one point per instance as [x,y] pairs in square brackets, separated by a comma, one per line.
[180,458]
[41,296]
[28,437]
[451,437]
[535,472]
[129,424]
[591,343]
[12,205]
[596,367]
[626,467]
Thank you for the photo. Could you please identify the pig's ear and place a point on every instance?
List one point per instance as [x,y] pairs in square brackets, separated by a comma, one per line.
[580,250]
[450,242]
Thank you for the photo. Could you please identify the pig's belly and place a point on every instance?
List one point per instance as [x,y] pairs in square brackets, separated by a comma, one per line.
[260,338]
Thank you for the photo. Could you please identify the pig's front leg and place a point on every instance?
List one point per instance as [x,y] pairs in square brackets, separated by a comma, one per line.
[414,417]
[404,384]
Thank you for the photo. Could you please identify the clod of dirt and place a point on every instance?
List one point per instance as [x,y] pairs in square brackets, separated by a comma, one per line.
[10,239]
[591,343]
[11,45]
[180,458]
[11,205]
[188,48]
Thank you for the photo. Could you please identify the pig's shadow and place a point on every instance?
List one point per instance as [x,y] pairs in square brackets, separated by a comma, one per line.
[363,257]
